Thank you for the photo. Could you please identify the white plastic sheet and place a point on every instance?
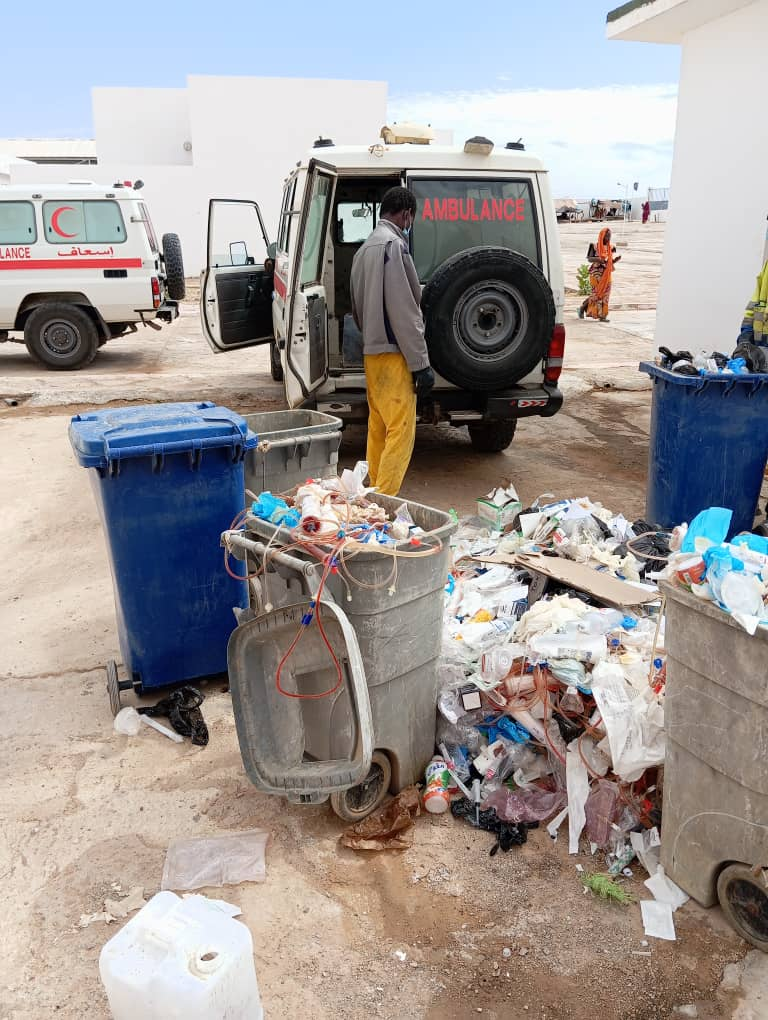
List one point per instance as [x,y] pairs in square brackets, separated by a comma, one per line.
[658,920]
[664,890]
[577,783]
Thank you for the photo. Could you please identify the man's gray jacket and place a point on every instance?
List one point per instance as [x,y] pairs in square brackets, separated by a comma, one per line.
[386,297]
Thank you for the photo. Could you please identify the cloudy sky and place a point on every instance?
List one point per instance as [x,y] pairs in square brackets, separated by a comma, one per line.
[598,112]
[590,139]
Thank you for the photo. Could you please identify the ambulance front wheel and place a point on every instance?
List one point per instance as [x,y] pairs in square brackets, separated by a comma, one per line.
[275,364]
[61,336]
[356,803]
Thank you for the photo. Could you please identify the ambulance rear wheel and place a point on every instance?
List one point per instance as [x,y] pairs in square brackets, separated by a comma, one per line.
[356,803]
[61,336]
[492,436]
[175,280]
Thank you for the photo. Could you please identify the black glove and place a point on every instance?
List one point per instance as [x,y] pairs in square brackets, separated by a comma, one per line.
[424,380]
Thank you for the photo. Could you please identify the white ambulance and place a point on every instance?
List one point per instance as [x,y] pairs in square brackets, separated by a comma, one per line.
[487,251]
[80,265]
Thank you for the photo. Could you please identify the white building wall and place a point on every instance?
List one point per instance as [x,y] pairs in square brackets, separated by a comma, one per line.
[142,126]
[246,135]
[717,218]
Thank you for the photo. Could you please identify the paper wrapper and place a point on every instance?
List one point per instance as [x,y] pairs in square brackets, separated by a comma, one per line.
[386,829]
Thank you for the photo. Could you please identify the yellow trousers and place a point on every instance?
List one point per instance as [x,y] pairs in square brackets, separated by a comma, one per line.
[391,420]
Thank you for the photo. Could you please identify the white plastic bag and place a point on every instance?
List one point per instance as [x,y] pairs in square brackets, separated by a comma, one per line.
[635,727]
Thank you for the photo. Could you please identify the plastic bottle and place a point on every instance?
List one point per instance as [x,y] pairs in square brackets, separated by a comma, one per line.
[181,957]
[497,663]
[600,621]
[437,798]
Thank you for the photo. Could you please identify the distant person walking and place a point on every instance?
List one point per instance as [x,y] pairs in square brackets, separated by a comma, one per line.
[600,276]
[646,211]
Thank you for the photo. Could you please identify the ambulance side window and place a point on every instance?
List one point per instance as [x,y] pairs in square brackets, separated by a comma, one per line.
[17,223]
[73,222]
[284,233]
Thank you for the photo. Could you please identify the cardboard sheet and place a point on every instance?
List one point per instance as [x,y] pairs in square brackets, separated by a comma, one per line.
[599,583]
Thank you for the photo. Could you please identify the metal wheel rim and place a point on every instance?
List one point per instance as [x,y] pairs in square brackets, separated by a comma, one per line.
[60,338]
[489,318]
[749,904]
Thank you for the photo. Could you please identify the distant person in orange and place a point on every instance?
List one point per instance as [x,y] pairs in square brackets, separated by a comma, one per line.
[600,276]
[646,211]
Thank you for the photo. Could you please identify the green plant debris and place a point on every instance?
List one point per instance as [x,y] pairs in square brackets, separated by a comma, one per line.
[582,276]
[608,888]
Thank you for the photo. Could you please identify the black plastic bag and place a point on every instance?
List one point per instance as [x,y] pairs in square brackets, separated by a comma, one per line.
[182,709]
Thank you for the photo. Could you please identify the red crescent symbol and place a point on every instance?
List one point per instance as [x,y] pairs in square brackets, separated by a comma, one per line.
[55,220]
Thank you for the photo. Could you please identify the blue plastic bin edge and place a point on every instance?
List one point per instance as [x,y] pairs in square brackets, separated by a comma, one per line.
[655,372]
[151,426]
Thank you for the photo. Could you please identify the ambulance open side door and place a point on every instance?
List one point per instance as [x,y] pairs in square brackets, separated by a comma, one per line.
[237,282]
[305,358]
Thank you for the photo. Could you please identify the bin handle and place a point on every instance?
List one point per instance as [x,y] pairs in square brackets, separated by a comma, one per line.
[177,446]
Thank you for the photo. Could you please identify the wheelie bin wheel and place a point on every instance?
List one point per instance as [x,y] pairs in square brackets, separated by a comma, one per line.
[115,686]
[743,897]
[356,803]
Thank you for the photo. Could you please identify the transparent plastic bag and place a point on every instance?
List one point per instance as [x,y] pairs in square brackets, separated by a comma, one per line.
[531,805]
[197,862]
[462,733]
[602,809]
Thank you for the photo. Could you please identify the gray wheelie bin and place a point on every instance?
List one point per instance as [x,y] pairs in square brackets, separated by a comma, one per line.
[376,732]
[714,838]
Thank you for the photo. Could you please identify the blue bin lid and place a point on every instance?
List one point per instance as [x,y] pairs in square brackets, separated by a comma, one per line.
[99,438]
[754,379]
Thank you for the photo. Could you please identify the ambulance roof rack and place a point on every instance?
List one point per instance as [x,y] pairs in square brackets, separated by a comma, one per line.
[407,134]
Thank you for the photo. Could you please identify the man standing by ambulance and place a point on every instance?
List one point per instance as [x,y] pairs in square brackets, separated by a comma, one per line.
[386,304]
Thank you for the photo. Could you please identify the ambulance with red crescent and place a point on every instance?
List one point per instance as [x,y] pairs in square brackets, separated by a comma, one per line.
[80,264]
[486,248]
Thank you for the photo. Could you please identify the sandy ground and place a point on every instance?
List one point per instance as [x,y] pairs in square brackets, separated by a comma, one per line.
[85,810]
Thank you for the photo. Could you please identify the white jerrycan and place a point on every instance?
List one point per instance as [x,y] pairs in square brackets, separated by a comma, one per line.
[181,959]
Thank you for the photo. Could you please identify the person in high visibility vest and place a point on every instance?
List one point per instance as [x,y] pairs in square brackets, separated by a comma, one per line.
[754,327]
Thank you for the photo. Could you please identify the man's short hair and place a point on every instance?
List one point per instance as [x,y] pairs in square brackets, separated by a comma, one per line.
[398,200]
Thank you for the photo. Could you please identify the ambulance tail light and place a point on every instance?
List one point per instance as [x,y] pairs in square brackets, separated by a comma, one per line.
[555,352]
[156,296]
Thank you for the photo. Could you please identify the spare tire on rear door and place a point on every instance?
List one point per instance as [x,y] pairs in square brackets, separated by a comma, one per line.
[174,267]
[489,315]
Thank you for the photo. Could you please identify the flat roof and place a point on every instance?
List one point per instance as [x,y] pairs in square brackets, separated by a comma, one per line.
[422,157]
[665,21]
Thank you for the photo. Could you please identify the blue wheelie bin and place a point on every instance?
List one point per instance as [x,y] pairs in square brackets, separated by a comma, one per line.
[708,445]
[168,479]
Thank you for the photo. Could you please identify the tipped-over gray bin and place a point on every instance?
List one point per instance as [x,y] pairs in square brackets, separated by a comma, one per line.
[397,623]
[715,812]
